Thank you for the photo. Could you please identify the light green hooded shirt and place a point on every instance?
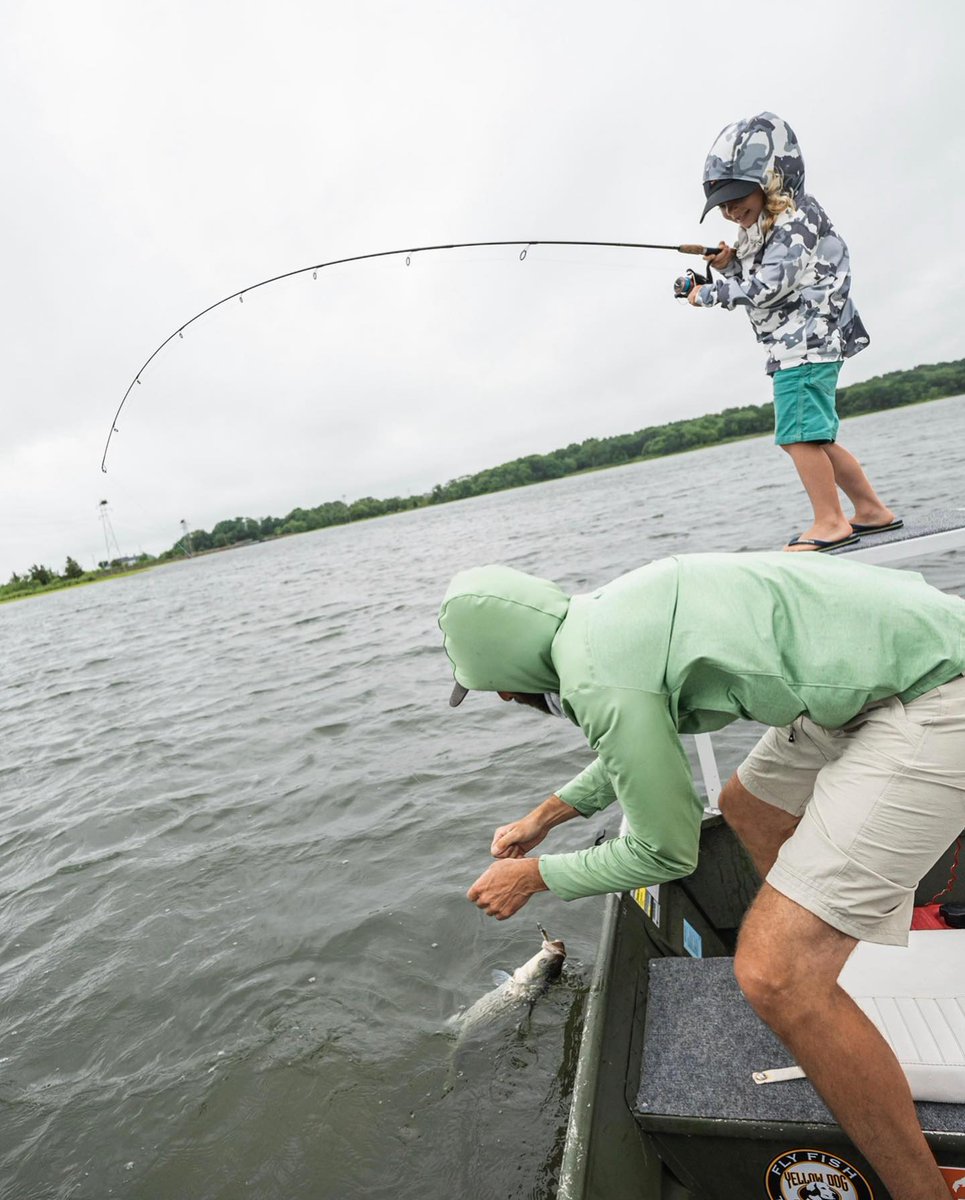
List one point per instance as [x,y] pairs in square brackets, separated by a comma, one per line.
[687,645]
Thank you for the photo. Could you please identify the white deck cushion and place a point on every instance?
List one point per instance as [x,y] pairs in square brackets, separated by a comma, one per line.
[916,997]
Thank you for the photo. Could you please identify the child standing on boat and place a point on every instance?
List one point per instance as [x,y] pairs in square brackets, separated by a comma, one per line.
[790,269]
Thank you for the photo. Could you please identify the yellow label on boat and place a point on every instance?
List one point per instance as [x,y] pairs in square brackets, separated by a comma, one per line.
[806,1174]
[649,900]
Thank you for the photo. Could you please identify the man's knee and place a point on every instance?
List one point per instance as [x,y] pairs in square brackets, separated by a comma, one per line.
[787,992]
[767,982]
[788,960]
[763,966]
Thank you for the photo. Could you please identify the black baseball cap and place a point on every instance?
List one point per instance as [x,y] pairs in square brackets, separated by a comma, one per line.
[719,191]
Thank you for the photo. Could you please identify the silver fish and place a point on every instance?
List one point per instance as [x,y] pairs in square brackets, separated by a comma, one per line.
[526,984]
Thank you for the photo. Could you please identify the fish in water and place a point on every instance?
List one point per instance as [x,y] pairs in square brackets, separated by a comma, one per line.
[526,984]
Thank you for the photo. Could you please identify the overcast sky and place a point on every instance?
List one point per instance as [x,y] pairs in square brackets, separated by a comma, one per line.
[158,156]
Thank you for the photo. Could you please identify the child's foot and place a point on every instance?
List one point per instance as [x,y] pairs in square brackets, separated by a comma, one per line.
[822,536]
[873,519]
[867,530]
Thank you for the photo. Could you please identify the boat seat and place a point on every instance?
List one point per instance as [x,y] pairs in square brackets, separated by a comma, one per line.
[916,998]
[703,1042]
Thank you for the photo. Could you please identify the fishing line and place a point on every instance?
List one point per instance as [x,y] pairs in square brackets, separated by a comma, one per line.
[526,244]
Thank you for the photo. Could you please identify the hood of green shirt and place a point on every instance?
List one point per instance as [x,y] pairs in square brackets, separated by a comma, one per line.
[498,627]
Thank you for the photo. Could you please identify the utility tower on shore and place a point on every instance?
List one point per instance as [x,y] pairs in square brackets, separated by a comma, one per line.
[110,537]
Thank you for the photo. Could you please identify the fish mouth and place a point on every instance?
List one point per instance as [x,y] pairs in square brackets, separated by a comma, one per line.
[554,945]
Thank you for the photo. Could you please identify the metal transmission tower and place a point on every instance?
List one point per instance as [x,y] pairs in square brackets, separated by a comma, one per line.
[186,538]
[109,536]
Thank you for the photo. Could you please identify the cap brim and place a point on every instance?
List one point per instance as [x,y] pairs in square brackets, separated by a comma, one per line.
[459,693]
[733,189]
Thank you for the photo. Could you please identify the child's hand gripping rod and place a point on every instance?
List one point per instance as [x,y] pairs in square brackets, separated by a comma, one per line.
[685,283]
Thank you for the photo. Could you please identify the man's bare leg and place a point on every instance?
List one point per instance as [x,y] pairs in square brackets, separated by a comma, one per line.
[851,479]
[761,828]
[787,964]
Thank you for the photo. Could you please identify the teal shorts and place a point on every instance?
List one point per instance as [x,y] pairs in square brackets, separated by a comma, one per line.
[804,403]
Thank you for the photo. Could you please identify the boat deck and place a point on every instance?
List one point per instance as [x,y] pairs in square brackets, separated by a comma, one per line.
[931,533]
[702,1044]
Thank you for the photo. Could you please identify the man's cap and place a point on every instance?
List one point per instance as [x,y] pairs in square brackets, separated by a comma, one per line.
[459,693]
[720,191]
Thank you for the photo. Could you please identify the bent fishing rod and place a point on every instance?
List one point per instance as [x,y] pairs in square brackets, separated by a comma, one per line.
[335,262]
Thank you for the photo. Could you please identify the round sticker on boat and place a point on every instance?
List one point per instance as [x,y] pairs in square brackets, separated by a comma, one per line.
[815,1175]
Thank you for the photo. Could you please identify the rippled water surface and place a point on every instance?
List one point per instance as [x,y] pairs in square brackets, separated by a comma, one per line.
[239,820]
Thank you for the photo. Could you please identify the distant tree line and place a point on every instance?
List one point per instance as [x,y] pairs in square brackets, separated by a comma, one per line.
[39,578]
[929,382]
[236,531]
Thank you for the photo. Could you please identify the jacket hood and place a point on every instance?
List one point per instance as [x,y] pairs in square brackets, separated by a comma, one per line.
[498,626]
[752,148]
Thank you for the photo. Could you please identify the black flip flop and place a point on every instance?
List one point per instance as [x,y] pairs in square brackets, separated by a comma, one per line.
[865,530]
[823,546]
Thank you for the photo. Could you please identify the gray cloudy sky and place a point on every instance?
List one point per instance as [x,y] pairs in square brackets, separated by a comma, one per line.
[158,156]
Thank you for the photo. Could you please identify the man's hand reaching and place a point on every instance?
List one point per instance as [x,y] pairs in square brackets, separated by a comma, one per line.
[505,887]
[519,837]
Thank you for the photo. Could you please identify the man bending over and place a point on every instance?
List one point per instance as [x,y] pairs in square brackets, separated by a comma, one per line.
[853,793]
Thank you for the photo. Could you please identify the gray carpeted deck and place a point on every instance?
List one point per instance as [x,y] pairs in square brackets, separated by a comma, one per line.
[941,520]
[703,1041]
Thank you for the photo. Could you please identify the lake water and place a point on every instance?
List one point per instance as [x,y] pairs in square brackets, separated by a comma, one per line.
[238,820]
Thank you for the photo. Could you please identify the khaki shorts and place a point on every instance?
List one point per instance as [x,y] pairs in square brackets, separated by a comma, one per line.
[880,800]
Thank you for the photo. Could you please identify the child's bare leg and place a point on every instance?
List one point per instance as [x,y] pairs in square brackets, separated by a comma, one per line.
[851,479]
[817,474]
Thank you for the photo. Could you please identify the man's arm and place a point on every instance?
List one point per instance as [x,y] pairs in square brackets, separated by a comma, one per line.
[641,752]
[590,792]
[507,885]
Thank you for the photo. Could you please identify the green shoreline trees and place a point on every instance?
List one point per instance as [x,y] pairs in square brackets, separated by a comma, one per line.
[931,382]
[934,381]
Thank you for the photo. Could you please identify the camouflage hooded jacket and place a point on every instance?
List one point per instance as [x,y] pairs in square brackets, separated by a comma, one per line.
[796,287]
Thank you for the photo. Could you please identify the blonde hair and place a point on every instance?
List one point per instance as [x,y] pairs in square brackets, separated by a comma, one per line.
[776,200]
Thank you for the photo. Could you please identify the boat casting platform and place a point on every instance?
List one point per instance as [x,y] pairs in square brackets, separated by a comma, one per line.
[725,1135]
